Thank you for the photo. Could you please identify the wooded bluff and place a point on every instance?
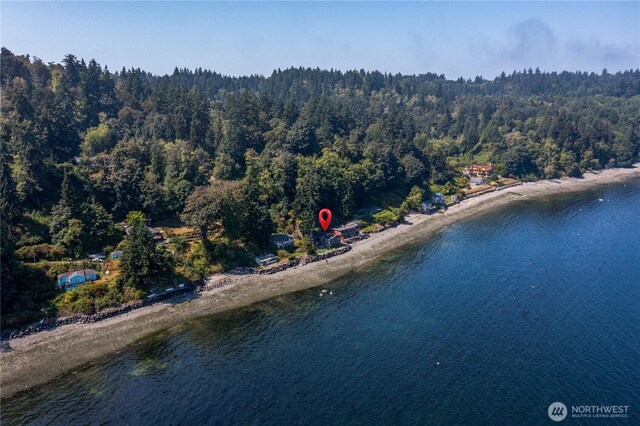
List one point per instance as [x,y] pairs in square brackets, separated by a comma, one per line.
[238,158]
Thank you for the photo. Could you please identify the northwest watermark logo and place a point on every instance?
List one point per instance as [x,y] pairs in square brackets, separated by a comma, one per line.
[558,411]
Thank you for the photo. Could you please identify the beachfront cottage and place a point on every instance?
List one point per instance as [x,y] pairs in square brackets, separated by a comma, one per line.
[331,241]
[98,256]
[73,279]
[326,240]
[346,231]
[282,241]
[438,198]
[476,180]
[116,254]
[266,259]
[428,207]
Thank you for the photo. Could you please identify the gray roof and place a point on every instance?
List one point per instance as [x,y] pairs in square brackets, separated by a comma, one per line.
[347,227]
[280,237]
[153,231]
[79,272]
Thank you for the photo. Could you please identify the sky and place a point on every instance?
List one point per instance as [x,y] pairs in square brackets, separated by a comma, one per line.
[236,38]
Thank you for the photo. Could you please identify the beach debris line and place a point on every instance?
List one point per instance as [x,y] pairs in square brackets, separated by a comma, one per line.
[324,216]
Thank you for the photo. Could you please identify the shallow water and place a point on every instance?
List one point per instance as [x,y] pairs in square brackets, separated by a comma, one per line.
[487,323]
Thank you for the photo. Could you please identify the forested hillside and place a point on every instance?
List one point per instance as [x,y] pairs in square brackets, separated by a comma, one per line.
[238,158]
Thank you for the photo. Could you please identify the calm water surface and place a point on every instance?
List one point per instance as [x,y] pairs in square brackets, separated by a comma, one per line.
[487,323]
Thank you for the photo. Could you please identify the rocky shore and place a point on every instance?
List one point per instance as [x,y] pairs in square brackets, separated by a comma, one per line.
[38,358]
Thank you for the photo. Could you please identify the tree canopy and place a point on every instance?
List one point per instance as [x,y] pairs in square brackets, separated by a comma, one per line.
[247,156]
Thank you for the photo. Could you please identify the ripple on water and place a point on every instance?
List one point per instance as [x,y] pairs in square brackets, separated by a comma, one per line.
[504,313]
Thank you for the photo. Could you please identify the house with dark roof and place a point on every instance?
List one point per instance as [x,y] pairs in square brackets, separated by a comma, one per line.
[326,240]
[155,233]
[98,256]
[347,230]
[438,198]
[428,207]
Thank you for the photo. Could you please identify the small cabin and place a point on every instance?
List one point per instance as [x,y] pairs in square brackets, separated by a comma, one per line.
[116,254]
[428,207]
[266,259]
[98,256]
[438,198]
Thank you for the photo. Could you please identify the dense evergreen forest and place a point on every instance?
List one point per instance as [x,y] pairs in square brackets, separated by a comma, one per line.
[238,158]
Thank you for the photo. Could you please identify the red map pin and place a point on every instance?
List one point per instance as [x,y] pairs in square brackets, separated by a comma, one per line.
[325,219]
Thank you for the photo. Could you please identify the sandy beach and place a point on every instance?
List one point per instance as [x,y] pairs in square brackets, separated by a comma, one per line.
[39,358]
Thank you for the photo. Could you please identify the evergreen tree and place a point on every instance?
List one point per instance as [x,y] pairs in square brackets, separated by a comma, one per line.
[256,220]
[306,204]
[141,257]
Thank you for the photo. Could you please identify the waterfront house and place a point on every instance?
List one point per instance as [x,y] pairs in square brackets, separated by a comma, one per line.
[438,198]
[281,241]
[116,254]
[428,207]
[331,241]
[476,180]
[347,230]
[480,169]
[73,279]
[266,259]
[325,240]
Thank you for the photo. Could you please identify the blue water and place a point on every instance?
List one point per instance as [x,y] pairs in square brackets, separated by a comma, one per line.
[488,322]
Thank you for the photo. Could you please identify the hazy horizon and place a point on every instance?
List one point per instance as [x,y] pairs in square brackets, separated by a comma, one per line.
[239,39]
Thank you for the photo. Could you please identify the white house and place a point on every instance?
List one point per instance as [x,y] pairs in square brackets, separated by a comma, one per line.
[266,259]
[282,240]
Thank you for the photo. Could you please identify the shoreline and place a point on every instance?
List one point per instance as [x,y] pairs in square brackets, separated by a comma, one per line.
[37,359]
